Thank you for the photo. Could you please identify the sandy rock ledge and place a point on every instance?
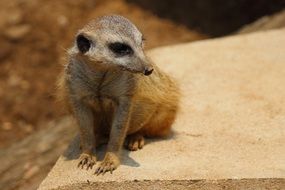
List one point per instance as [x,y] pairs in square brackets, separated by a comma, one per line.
[230,132]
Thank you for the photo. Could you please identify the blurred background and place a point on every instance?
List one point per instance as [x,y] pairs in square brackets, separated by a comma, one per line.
[34,36]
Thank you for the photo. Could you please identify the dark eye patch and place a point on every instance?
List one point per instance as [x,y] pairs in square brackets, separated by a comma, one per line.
[120,49]
[83,43]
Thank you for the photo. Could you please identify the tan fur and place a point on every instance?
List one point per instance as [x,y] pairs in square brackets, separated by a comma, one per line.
[113,96]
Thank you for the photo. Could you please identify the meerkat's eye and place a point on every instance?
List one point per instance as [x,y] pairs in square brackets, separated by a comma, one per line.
[120,49]
[83,43]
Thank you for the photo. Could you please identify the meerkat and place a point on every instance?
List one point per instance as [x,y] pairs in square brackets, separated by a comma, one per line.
[115,92]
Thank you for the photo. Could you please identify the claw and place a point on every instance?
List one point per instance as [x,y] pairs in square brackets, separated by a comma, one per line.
[100,171]
[97,172]
[83,163]
[89,166]
[104,171]
[80,163]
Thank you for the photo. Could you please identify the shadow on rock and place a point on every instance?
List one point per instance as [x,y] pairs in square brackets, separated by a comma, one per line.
[73,151]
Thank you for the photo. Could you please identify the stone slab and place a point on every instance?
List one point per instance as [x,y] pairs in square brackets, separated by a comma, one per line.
[230,132]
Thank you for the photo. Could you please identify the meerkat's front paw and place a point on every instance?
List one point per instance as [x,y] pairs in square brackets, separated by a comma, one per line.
[110,163]
[134,142]
[87,160]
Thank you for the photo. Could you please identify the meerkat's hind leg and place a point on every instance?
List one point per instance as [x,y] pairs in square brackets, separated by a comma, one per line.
[134,141]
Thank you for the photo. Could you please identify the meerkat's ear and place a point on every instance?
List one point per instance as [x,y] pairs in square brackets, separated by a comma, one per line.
[83,43]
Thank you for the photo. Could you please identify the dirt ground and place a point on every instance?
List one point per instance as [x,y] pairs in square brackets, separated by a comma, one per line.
[34,36]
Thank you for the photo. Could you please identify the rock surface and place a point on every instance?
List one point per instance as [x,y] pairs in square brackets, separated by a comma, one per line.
[230,132]
[265,23]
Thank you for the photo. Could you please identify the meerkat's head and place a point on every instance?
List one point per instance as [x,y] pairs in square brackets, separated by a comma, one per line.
[113,41]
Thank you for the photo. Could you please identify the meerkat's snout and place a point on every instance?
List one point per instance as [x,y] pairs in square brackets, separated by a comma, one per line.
[148,71]
[145,65]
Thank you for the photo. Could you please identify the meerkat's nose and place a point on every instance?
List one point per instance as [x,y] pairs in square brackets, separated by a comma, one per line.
[148,71]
